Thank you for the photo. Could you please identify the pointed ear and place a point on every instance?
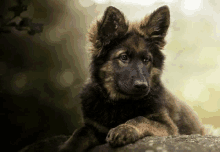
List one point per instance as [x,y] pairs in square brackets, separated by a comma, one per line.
[156,25]
[112,25]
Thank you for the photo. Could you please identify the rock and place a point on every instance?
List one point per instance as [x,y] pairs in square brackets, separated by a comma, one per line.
[182,143]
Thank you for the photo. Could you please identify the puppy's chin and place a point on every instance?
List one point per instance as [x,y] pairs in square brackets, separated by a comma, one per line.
[139,96]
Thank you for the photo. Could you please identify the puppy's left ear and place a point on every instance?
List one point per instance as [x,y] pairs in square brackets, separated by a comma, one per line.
[156,25]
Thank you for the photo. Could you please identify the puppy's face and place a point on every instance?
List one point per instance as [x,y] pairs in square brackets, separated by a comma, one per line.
[127,57]
[128,67]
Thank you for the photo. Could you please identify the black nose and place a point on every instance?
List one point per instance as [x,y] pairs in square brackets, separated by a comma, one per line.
[140,85]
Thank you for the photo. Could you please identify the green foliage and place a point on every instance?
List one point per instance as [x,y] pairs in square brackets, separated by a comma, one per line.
[25,24]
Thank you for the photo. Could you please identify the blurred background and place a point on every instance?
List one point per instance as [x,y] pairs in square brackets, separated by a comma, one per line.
[41,75]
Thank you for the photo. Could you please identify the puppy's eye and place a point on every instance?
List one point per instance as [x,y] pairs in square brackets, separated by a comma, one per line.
[124,57]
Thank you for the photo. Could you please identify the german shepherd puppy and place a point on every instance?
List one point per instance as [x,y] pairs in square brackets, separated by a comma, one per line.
[125,99]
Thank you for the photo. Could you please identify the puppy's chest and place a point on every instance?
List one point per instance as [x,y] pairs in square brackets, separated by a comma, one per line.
[113,115]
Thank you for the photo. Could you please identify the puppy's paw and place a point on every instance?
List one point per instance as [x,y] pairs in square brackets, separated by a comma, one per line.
[122,135]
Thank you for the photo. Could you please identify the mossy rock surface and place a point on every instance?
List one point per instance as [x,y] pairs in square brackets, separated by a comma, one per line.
[182,143]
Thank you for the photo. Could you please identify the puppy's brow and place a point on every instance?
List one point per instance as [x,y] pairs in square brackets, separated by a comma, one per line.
[119,52]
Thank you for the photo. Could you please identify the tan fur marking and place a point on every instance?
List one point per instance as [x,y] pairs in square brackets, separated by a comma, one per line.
[154,128]
[153,73]
[148,127]
[132,126]
[92,36]
[139,47]
[117,54]
[121,64]
[173,128]
[108,77]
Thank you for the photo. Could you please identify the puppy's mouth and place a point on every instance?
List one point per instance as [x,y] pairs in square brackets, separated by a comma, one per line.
[133,92]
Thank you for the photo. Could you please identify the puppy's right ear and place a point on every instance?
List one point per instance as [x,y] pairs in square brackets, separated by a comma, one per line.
[111,26]
[156,25]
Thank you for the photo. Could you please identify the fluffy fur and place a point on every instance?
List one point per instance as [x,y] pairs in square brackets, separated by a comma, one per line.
[125,99]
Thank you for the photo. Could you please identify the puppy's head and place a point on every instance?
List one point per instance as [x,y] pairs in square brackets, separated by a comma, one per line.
[126,57]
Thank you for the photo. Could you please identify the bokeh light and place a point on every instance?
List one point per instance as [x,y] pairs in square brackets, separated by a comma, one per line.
[65,78]
[191,6]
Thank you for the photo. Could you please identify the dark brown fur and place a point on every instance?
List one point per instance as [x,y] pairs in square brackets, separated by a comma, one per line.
[125,99]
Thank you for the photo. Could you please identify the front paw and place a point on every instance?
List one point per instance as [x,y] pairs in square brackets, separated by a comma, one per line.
[122,135]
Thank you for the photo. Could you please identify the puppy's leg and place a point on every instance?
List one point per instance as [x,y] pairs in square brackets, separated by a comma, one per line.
[81,140]
[190,123]
[140,127]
